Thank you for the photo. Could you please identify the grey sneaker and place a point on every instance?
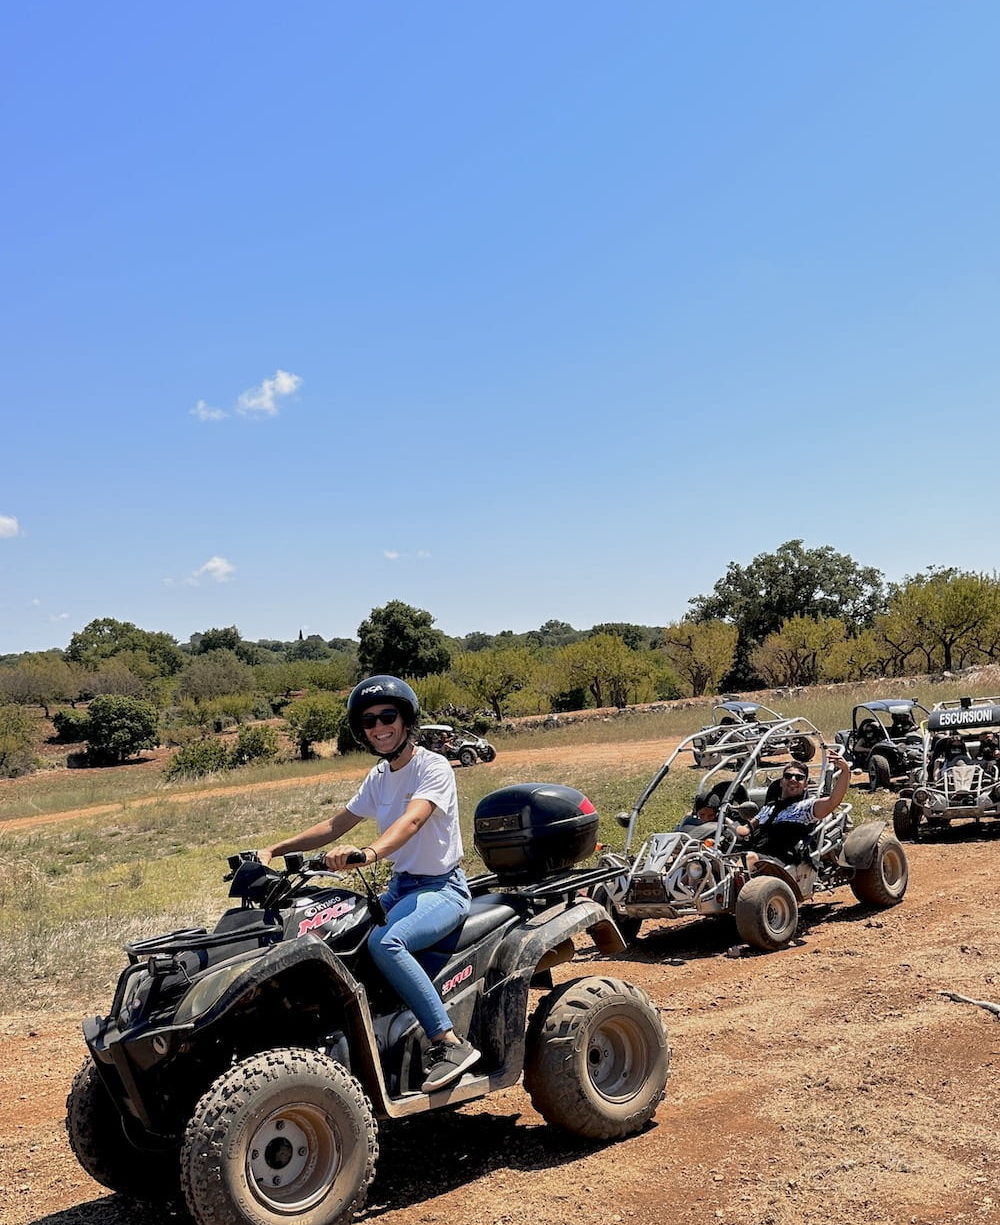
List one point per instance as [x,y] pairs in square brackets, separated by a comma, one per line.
[446,1061]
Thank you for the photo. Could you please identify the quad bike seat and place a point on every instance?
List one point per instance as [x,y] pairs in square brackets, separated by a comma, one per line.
[488,911]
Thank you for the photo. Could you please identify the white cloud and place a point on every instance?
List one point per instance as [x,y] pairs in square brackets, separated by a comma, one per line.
[9,526]
[59,617]
[204,412]
[35,603]
[391,555]
[263,399]
[422,553]
[217,568]
[394,555]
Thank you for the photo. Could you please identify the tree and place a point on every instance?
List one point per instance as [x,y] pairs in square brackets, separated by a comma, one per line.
[791,582]
[792,655]
[492,675]
[227,639]
[553,634]
[948,615]
[399,640]
[700,652]
[17,737]
[40,679]
[312,648]
[120,727]
[606,666]
[214,674]
[314,717]
[106,638]
[635,637]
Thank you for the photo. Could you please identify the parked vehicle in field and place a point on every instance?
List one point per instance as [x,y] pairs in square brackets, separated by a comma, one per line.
[738,728]
[959,773]
[250,1065]
[885,740]
[707,868]
[464,747]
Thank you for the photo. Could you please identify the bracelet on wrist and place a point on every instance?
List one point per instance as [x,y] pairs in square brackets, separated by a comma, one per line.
[373,851]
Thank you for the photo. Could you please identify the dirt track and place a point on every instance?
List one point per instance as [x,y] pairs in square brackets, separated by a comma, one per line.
[827,1083]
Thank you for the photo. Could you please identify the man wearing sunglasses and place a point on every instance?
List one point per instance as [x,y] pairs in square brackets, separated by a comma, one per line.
[781,825]
[410,794]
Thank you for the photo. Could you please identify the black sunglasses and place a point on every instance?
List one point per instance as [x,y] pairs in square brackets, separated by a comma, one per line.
[795,778]
[383,716]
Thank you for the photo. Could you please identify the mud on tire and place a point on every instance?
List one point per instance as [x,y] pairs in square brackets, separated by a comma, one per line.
[94,1127]
[288,1133]
[884,882]
[597,1058]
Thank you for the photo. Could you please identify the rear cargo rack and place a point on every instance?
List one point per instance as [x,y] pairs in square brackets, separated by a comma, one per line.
[566,883]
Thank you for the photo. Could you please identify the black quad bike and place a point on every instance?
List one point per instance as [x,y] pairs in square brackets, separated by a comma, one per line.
[248,1066]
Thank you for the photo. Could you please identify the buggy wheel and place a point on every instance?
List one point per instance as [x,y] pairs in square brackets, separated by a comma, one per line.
[883,883]
[879,774]
[488,753]
[904,820]
[801,749]
[626,924]
[597,1058]
[767,913]
[101,1146]
[466,756]
[288,1133]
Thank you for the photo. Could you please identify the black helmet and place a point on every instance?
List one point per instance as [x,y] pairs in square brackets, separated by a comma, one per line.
[383,689]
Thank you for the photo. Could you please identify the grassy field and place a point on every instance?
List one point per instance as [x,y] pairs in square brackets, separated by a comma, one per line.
[72,893]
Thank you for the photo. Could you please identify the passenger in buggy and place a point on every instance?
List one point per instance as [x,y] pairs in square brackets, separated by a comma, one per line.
[783,823]
[948,752]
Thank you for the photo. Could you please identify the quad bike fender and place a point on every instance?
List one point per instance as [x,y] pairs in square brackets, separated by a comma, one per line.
[304,967]
[859,845]
[543,941]
[765,866]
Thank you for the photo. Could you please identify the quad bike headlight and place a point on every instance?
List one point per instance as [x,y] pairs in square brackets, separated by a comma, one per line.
[208,989]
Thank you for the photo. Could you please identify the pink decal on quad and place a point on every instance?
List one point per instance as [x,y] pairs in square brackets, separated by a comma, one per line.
[455,979]
[325,916]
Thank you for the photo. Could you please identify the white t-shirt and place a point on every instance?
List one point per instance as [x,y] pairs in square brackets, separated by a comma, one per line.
[383,796]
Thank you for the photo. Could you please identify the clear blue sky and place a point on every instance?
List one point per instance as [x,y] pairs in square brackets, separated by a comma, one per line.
[509,311]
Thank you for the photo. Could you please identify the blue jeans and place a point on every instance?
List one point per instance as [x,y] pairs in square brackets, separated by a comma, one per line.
[421,911]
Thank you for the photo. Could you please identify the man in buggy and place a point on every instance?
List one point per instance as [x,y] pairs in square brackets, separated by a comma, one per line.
[787,820]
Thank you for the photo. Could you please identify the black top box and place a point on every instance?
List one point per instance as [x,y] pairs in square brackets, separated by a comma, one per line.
[531,830]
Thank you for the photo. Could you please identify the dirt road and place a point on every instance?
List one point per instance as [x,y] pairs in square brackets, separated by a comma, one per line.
[830,1082]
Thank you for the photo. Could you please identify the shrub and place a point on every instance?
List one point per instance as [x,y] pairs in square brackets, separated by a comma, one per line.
[197,759]
[255,743]
[120,727]
[71,725]
[316,716]
[17,736]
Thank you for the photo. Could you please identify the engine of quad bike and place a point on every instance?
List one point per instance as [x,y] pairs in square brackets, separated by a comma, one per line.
[527,831]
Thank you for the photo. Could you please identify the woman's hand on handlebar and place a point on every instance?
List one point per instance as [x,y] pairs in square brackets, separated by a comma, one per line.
[346,856]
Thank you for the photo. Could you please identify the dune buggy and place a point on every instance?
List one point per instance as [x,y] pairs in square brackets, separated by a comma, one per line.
[705,869]
[464,747]
[249,1064]
[738,728]
[885,740]
[959,773]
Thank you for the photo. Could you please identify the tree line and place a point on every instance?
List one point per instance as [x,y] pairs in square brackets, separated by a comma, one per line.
[792,617]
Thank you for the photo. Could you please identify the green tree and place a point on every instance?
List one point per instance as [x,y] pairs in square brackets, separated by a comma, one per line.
[553,634]
[603,664]
[313,648]
[17,737]
[635,637]
[120,727]
[215,639]
[791,582]
[312,718]
[107,638]
[792,655]
[214,674]
[399,640]
[946,615]
[491,676]
[40,678]
[700,653]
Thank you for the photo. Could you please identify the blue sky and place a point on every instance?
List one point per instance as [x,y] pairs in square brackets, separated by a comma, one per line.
[509,311]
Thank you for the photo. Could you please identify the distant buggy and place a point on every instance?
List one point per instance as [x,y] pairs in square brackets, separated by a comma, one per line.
[464,747]
[885,740]
[738,729]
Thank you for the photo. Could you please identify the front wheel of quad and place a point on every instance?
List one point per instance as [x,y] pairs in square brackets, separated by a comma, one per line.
[285,1134]
[767,913]
[597,1058]
[884,882]
[879,774]
[101,1146]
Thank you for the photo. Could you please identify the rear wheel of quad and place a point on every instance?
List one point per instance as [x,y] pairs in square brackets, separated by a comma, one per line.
[597,1058]
[904,822]
[466,757]
[101,1146]
[884,882]
[801,749]
[879,774]
[767,913]
[288,1133]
